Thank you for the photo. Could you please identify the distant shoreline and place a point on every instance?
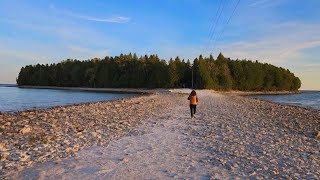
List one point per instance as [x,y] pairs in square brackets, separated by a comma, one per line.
[243,93]
[8,85]
[113,90]
[249,93]
[146,90]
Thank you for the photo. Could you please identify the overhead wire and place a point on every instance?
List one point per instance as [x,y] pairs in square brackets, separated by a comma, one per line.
[220,11]
[224,27]
[214,22]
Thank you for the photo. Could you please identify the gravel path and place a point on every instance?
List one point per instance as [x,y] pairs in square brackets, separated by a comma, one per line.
[231,137]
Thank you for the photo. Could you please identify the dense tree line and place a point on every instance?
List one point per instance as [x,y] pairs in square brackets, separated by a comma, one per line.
[131,71]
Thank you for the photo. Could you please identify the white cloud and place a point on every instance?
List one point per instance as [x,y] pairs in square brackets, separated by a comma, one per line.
[115,19]
[258,2]
[112,19]
[279,46]
[64,32]
[265,3]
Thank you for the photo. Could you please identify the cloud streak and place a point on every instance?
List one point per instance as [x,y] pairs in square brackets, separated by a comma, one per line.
[264,3]
[258,2]
[277,46]
[114,19]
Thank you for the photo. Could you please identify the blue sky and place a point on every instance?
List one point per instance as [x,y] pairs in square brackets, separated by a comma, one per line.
[281,32]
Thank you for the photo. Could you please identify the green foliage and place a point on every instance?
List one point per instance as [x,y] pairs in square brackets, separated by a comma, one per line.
[129,71]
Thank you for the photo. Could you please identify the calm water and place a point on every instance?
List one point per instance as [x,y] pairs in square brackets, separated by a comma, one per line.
[309,99]
[17,99]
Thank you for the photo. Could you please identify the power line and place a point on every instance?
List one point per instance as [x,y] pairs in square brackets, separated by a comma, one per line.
[227,23]
[216,23]
[215,20]
[212,25]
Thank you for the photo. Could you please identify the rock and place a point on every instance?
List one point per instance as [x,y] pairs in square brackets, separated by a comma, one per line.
[253,173]
[275,172]
[4,156]
[7,124]
[14,157]
[235,165]
[69,149]
[26,130]
[99,131]
[25,158]
[1,147]
[76,148]
[29,163]
[66,141]
[94,134]
[124,160]
[80,129]
[318,134]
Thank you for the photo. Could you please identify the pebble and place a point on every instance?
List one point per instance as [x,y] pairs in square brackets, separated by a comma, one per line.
[7,123]
[25,130]
[125,160]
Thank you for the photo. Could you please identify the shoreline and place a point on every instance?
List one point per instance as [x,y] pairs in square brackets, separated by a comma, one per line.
[230,125]
[283,104]
[74,104]
[146,90]
[249,93]
[110,90]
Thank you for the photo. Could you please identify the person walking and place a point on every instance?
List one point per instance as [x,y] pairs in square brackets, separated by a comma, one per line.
[193,103]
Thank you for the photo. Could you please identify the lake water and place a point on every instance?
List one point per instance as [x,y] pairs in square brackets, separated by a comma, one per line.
[16,99]
[308,99]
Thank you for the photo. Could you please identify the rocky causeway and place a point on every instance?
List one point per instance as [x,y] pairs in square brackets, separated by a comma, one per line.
[153,136]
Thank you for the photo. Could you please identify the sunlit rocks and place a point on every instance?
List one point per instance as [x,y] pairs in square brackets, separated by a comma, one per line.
[26,129]
[1,147]
[60,132]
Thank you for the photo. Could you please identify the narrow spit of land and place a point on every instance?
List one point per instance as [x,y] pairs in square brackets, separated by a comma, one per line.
[231,137]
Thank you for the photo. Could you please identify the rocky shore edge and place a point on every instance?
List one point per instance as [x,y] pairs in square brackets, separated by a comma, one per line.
[111,90]
[249,93]
[151,91]
[40,135]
